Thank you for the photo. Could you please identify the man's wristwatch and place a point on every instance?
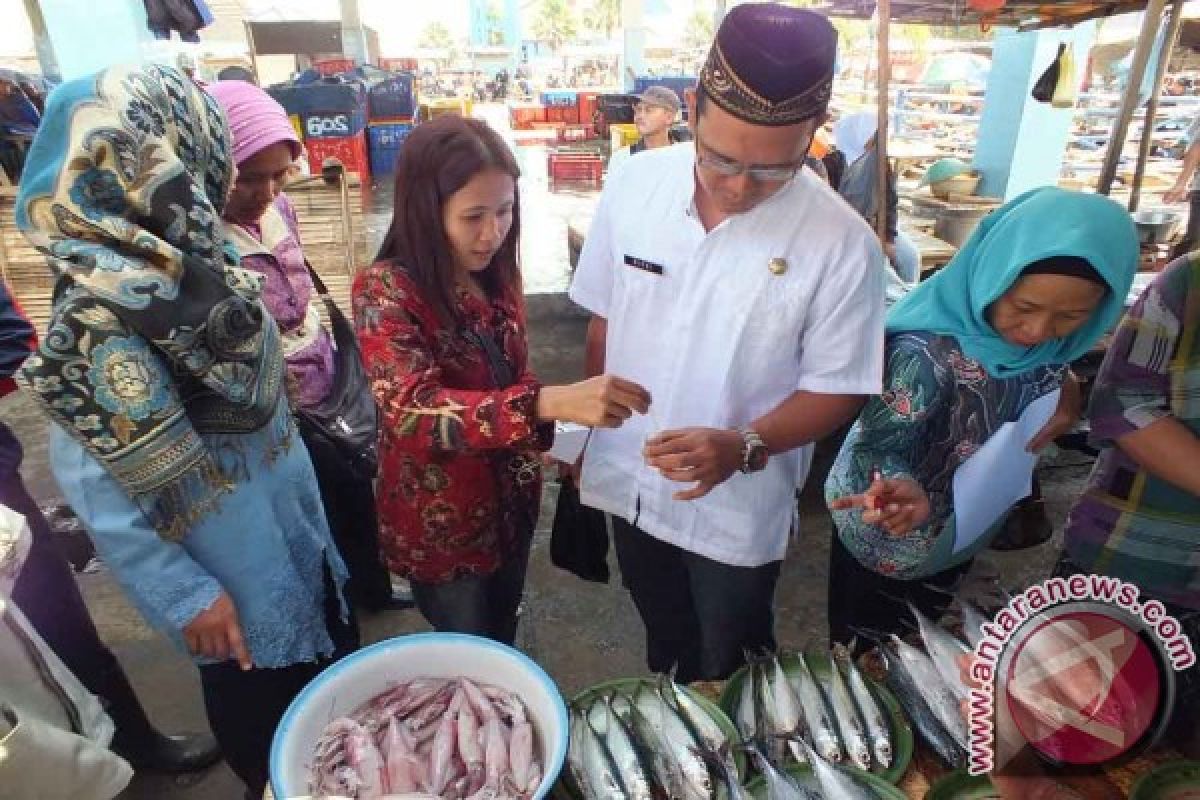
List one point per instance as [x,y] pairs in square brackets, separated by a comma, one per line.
[754,452]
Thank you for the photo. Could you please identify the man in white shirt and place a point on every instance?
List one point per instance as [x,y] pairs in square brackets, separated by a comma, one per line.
[655,113]
[748,299]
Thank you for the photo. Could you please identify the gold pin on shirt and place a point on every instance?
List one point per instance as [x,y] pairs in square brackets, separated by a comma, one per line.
[778,266]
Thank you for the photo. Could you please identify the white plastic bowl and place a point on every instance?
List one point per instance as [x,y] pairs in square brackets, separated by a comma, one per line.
[359,677]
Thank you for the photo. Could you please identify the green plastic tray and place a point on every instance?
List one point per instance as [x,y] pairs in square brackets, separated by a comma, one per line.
[960,785]
[565,788]
[902,735]
[1174,780]
[882,789]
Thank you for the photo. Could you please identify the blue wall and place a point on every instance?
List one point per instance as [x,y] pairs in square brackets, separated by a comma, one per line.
[1021,142]
[84,40]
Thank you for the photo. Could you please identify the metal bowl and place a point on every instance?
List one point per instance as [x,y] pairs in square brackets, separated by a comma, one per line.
[1156,227]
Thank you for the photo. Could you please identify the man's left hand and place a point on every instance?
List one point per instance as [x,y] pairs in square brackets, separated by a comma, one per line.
[704,456]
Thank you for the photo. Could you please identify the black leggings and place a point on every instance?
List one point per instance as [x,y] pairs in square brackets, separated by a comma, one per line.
[244,708]
[349,503]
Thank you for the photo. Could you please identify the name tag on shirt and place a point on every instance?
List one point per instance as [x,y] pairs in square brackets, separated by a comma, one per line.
[645,266]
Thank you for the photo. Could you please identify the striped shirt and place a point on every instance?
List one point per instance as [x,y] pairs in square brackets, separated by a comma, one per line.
[1129,523]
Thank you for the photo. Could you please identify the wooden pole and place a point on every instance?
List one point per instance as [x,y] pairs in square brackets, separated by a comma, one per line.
[883,67]
[253,51]
[1141,55]
[1160,72]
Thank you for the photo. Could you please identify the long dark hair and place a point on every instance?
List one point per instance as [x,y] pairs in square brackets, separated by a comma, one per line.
[439,158]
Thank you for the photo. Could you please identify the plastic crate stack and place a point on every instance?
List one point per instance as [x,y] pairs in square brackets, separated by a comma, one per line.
[574,166]
[570,114]
[391,105]
[332,116]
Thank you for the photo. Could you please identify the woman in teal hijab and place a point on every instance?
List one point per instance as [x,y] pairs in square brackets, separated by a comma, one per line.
[1039,282]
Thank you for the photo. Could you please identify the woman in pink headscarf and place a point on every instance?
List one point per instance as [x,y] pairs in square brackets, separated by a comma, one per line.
[262,223]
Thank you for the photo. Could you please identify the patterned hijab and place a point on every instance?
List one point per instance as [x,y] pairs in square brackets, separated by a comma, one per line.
[157,336]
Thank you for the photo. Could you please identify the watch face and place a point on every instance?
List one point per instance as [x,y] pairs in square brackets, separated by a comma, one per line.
[758,457]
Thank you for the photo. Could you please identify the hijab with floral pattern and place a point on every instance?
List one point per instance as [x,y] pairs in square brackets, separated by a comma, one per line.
[156,336]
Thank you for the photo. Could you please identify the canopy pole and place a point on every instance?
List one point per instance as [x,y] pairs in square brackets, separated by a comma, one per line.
[1141,55]
[1164,59]
[253,51]
[883,66]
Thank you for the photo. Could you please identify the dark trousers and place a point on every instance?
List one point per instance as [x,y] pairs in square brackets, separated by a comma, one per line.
[701,616]
[48,596]
[862,598]
[244,708]
[483,605]
[349,503]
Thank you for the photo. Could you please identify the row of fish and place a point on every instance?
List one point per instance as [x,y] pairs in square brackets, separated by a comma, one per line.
[654,742]
[834,711]
[430,737]
[824,782]
[929,685]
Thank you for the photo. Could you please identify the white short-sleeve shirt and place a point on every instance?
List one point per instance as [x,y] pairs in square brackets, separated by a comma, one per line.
[719,339]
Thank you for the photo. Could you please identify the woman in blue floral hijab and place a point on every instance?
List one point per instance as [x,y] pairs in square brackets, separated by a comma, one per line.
[162,373]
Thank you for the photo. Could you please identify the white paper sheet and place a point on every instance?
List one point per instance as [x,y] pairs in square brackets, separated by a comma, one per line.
[999,474]
[569,441]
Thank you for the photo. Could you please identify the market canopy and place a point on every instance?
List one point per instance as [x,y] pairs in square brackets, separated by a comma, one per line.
[1025,14]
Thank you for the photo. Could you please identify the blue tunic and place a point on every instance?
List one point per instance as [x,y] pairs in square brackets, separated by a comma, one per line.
[265,545]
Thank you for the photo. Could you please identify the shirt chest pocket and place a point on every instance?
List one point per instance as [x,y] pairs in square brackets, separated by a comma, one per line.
[757,315]
[644,278]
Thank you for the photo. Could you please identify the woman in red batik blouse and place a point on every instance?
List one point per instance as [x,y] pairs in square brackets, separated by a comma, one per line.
[441,322]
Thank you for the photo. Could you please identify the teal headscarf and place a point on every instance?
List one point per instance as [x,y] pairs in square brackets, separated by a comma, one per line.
[1038,224]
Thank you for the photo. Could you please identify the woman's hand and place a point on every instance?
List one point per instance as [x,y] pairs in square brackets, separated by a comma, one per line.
[1065,417]
[216,633]
[605,401]
[898,505]
[1176,194]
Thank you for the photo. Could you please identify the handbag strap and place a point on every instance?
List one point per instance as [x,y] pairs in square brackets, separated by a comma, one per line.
[342,330]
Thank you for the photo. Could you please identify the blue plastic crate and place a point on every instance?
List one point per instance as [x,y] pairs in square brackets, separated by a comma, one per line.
[322,97]
[383,145]
[333,124]
[392,98]
[560,99]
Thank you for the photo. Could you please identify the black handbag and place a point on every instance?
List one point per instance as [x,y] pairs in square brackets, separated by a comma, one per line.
[1043,90]
[346,423]
[579,536]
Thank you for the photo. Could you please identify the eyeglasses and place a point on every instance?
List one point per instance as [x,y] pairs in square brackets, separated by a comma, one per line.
[731,169]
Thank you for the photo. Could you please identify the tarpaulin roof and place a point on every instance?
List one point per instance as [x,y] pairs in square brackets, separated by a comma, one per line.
[1014,13]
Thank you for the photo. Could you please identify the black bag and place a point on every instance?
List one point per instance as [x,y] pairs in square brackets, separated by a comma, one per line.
[579,536]
[1043,90]
[347,422]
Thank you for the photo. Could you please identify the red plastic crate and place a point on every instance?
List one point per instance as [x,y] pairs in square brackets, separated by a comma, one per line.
[588,108]
[398,64]
[334,66]
[574,167]
[524,117]
[576,133]
[350,150]
[567,115]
